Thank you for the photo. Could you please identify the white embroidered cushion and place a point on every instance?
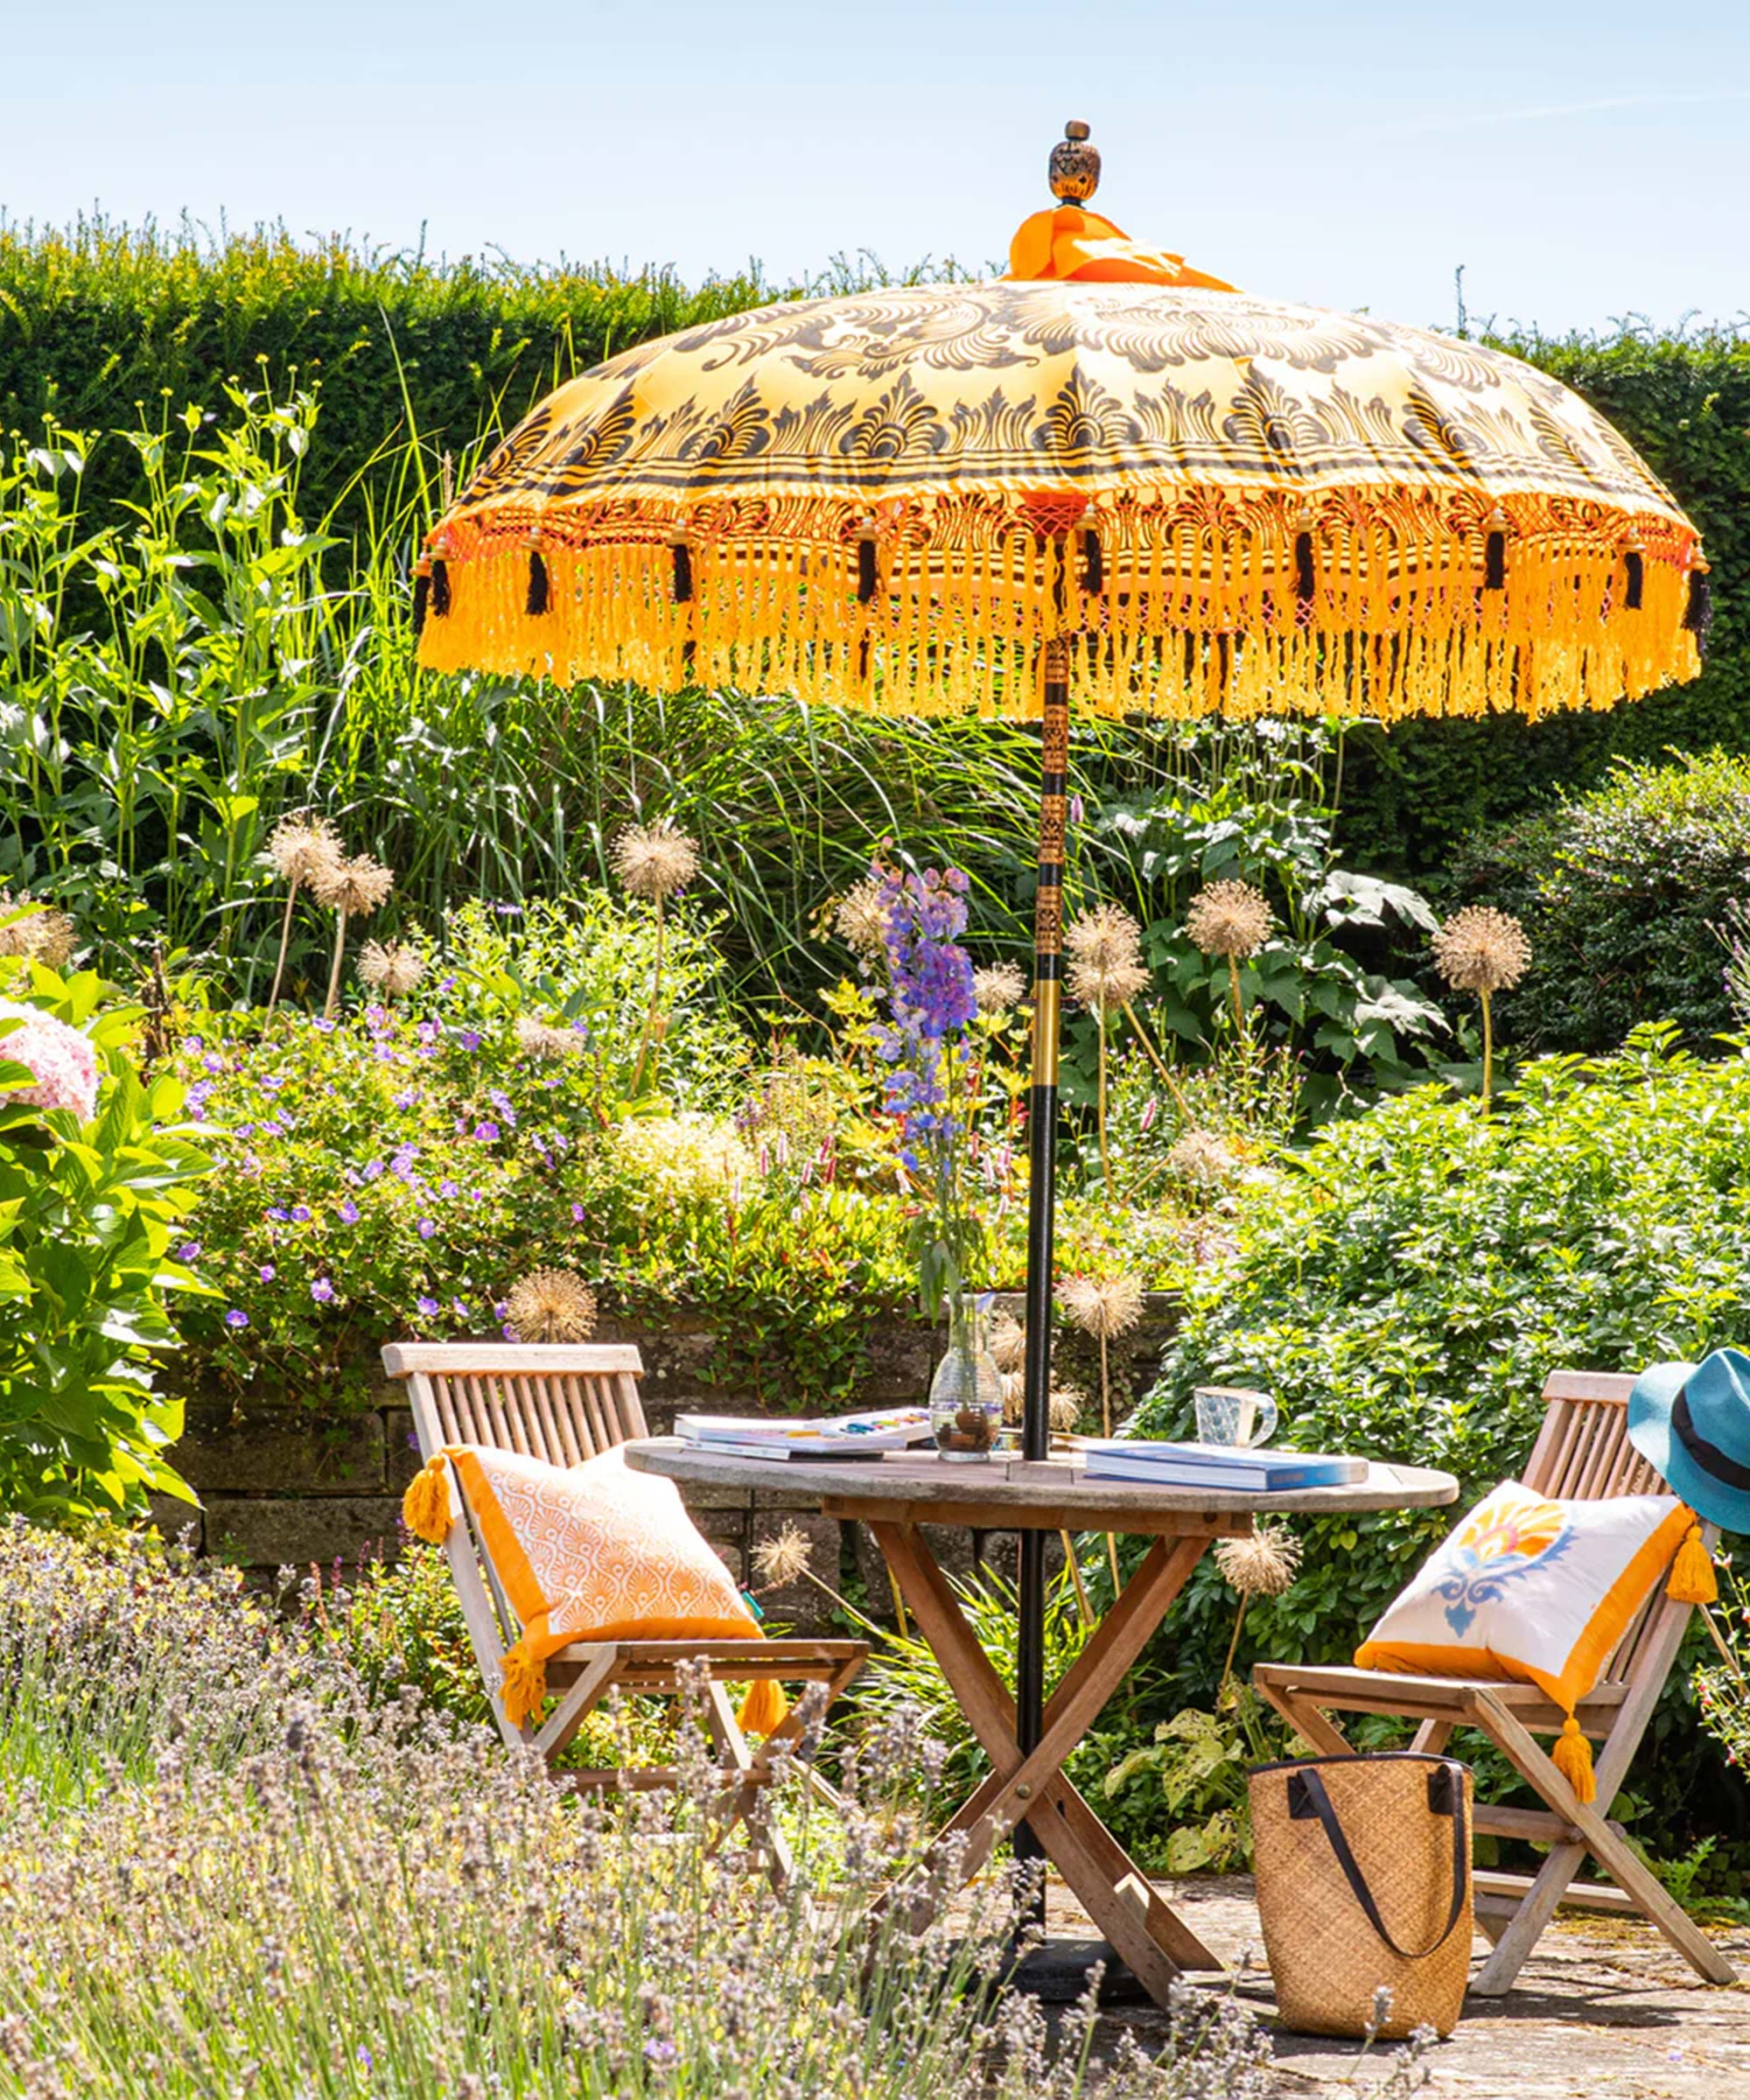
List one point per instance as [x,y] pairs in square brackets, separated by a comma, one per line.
[1530,1589]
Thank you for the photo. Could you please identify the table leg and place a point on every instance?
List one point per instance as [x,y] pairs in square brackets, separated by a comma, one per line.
[1149,1935]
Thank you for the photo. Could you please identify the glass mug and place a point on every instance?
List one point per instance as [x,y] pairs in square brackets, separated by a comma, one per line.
[1231,1414]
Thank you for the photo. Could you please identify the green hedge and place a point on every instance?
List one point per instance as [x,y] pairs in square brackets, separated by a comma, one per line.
[98,318]
[1410,797]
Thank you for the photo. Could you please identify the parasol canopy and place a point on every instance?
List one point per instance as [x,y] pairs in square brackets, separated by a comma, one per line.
[889,500]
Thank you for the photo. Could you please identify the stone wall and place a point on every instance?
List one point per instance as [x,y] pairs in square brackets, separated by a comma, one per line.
[279,1488]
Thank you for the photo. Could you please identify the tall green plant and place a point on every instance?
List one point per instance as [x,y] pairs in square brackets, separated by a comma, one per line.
[89,1218]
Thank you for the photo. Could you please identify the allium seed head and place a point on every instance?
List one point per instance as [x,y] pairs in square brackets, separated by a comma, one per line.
[1262,1565]
[861,918]
[1008,1342]
[541,1039]
[303,848]
[1230,919]
[355,886]
[551,1304]
[44,934]
[1201,1159]
[654,861]
[1481,949]
[1105,939]
[782,1559]
[998,988]
[1104,1306]
[390,966]
[1110,989]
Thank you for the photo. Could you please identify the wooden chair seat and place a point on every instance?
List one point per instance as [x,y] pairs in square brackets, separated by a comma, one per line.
[1437,1699]
[1582,1453]
[566,1404]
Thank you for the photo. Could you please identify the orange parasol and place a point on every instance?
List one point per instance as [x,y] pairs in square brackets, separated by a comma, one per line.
[1107,480]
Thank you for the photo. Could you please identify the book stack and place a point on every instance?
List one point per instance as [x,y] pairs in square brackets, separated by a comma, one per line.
[1230,1466]
[828,1436]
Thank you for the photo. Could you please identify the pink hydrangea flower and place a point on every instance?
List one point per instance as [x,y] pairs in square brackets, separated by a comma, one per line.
[63,1061]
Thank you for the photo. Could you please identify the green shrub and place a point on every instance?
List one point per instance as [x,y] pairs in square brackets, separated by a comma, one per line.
[1414,795]
[1405,1285]
[1624,894]
[97,1173]
[396,1170]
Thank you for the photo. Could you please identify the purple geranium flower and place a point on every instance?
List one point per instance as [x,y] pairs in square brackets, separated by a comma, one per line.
[237,1317]
[300,1214]
[268,1272]
[428,1308]
[426,1227]
[189,1251]
[322,1291]
[486,1132]
[348,1212]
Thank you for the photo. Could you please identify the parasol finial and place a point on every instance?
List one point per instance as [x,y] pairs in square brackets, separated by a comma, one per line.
[1075,165]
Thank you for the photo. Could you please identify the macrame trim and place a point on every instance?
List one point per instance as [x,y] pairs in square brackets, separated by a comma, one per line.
[1386,603]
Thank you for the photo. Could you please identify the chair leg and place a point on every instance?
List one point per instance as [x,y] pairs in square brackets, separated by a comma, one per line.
[576,1706]
[1612,1852]
[1309,1721]
[1432,1738]
[744,1802]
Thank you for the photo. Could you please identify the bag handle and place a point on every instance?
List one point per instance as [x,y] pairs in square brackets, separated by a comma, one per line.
[1305,1785]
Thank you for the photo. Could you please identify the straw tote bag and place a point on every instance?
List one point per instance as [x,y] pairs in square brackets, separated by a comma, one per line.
[1364,1881]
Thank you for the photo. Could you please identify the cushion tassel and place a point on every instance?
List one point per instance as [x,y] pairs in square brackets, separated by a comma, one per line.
[440,590]
[537,600]
[426,1507]
[525,1686]
[764,1707]
[1573,1759]
[1692,1579]
[422,593]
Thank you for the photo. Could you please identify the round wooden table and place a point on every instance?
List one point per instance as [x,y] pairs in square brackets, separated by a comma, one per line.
[895,1494]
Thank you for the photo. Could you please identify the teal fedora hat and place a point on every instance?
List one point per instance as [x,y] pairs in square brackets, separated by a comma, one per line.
[1692,1424]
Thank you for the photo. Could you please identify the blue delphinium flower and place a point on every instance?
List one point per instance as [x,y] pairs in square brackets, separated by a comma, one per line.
[931,1003]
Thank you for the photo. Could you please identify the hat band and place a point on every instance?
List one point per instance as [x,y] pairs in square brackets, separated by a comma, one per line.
[1709,1457]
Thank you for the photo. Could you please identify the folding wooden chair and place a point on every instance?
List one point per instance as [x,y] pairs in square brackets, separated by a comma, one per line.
[1583,1453]
[566,1404]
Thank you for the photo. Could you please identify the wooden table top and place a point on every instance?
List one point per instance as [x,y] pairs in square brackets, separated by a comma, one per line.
[1018,1494]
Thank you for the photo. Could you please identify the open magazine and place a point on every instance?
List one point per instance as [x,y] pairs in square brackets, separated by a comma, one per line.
[865,1436]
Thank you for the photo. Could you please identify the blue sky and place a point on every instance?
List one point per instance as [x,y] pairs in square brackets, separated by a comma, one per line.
[1583,161]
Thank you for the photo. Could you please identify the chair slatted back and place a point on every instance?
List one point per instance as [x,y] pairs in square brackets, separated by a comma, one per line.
[1582,1455]
[561,1402]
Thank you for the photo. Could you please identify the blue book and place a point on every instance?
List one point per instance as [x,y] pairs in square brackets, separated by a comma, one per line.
[1217,1466]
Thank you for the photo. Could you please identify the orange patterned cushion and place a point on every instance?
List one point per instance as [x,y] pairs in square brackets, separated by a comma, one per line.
[594,1552]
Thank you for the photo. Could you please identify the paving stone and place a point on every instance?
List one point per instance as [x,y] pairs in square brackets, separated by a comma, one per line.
[238,1449]
[1604,2010]
[293,1531]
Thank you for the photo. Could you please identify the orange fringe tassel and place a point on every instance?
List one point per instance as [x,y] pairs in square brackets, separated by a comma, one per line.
[426,1507]
[1573,1759]
[1199,608]
[1692,1579]
[764,1707]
